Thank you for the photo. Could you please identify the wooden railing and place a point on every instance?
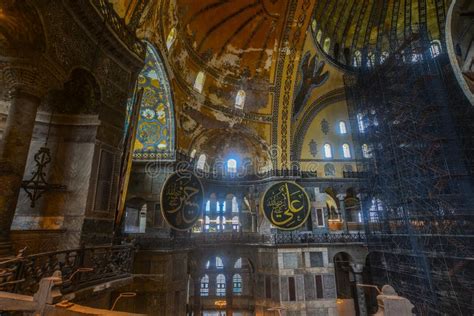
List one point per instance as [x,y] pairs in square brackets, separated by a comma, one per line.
[79,268]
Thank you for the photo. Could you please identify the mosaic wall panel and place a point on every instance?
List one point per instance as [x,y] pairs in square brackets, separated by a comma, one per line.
[155,137]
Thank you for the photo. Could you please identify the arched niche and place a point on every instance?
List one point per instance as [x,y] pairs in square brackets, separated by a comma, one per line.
[155,137]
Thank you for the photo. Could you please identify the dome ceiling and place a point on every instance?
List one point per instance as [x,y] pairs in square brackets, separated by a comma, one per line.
[233,38]
[344,29]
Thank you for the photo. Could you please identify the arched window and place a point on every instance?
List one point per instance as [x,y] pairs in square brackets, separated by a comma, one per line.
[346,151]
[235,206]
[238,264]
[221,223]
[342,127]
[314,25]
[240,99]
[155,130]
[235,223]
[370,60]
[231,166]
[357,60]
[220,285]
[435,48]
[171,38]
[201,162]
[219,264]
[237,284]
[383,57]
[208,206]
[365,151]
[205,285]
[327,45]
[327,151]
[218,207]
[193,153]
[319,35]
[360,122]
[199,82]
[207,222]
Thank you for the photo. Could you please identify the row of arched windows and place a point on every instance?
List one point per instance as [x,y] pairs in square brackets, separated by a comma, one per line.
[221,285]
[201,163]
[327,151]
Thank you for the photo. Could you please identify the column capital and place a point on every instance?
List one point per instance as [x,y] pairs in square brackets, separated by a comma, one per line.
[341,196]
[26,78]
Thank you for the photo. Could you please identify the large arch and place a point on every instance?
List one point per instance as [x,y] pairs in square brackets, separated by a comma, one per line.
[155,137]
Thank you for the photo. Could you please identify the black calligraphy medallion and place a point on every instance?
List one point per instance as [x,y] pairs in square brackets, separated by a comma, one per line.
[286,205]
[182,199]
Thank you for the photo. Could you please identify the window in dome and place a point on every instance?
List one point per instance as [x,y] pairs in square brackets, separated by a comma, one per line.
[327,45]
[199,82]
[193,153]
[319,35]
[383,57]
[171,38]
[435,48]
[219,264]
[238,264]
[201,162]
[342,127]
[240,100]
[357,59]
[346,151]
[327,151]
[232,166]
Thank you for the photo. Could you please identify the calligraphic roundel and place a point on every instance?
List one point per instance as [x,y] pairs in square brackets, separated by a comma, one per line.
[182,199]
[286,205]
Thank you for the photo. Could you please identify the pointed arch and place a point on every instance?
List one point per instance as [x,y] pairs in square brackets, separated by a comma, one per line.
[155,137]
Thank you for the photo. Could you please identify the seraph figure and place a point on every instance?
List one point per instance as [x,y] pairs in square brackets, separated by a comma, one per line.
[312,76]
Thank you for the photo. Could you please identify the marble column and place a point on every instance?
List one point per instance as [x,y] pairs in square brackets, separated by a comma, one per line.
[229,288]
[358,268]
[197,296]
[14,154]
[342,207]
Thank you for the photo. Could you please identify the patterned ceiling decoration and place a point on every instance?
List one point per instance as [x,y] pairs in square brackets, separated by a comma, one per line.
[155,134]
[237,38]
[374,28]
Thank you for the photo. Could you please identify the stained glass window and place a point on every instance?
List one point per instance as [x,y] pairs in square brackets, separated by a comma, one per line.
[155,133]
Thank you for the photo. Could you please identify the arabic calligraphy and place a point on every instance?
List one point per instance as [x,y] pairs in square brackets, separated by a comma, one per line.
[182,198]
[286,205]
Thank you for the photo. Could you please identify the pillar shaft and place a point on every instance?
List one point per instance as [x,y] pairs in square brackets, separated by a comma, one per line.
[342,206]
[197,297]
[14,154]
[358,268]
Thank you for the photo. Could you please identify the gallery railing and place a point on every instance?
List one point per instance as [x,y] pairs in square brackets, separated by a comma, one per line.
[285,239]
[79,268]
[196,240]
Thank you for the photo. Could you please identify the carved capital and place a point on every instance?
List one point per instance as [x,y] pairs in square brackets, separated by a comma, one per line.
[25,78]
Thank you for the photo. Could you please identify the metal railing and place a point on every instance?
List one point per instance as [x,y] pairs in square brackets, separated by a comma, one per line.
[79,268]
[197,240]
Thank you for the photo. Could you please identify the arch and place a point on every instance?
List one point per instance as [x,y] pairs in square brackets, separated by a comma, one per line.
[238,264]
[232,166]
[327,45]
[205,285]
[220,285]
[199,82]
[342,127]
[346,151]
[435,48]
[156,125]
[327,150]
[240,99]
[201,163]
[237,284]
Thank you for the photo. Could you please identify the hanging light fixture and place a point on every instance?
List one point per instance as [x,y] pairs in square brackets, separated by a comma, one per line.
[37,185]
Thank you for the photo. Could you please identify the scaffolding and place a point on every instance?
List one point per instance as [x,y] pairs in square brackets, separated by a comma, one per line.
[419,201]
